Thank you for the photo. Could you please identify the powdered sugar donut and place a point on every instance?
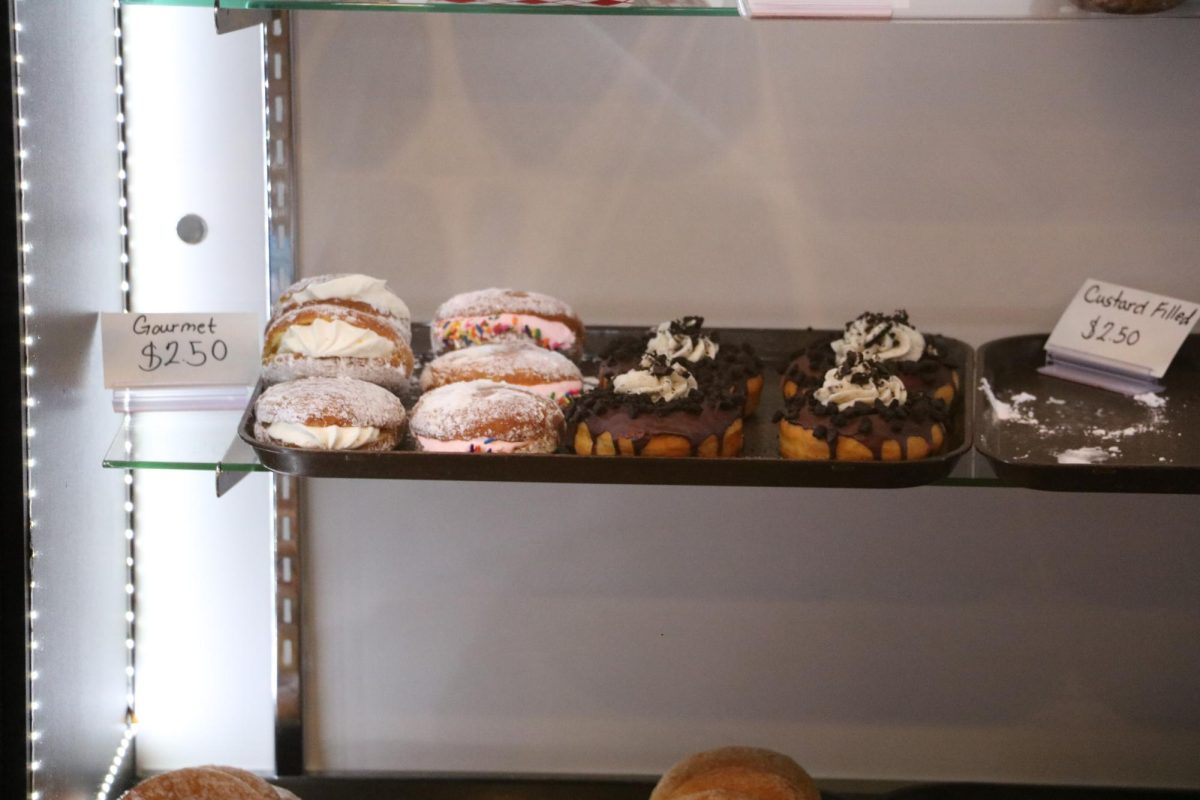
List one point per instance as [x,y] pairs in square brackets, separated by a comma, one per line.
[325,340]
[523,364]
[352,290]
[191,783]
[486,417]
[490,315]
[329,414]
[264,790]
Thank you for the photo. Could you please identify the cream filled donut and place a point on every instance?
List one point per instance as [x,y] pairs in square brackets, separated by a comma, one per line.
[329,414]
[523,364]
[490,315]
[325,340]
[486,417]
[352,290]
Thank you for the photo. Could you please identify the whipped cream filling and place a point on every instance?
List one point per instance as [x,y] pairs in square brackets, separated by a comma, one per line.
[363,288]
[680,345]
[325,339]
[466,331]
[329,437]
[480,445]
[886,340]
[858,385]
[663,387]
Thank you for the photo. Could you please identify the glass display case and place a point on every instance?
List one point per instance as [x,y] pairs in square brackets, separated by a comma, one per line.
[554,625]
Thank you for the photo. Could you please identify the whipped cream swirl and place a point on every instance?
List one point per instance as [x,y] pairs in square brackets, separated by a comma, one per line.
[363,288]
[329,437]
[681,339]
[328,339]
[862,383]
[659,379]
[881,338]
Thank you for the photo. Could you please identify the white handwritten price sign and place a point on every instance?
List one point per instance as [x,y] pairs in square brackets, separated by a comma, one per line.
[1126,336]
[179,349]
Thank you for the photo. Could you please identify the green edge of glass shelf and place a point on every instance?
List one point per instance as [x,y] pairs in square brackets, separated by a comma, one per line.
[199,440]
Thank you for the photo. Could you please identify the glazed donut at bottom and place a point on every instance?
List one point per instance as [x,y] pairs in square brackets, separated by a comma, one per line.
[736,773]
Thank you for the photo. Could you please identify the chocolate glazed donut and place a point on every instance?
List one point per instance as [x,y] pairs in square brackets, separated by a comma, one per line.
[815,431]
[606,423]
[932,374]
[735,370]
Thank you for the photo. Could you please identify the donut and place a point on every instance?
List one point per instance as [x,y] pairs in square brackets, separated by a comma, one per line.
[806,368]
[351,290]
[483,416]
[736,773]
[262,789]
[490,315]
[520,363]
[325,340]
[715,365]
[861,413]
[919,360]
[192,783]
[329,414]
[658,409]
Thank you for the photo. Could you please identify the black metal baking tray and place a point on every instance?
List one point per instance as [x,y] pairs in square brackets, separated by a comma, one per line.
[516,787]
[760,465]
[985,791]
[395,787]
[1144,449]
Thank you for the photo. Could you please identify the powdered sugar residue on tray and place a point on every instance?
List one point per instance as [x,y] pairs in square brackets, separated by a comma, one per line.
[1078,431]
[1087,455]
[1010,411]
[1151,400]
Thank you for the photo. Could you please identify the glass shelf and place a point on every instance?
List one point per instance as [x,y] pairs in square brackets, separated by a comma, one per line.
[195,440]
[903,10]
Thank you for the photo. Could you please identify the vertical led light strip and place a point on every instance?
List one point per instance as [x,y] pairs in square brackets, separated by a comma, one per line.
[23,249]
[114,768]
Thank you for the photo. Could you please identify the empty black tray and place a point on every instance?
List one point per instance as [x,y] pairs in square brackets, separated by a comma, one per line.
[1142,449]
[760,465]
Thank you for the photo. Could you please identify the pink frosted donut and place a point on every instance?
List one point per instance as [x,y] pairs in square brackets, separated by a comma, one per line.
[492,315]
[523,364]
[486,417]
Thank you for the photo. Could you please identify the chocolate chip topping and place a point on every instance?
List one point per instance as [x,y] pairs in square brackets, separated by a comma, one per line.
[727,373]
[870,423]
